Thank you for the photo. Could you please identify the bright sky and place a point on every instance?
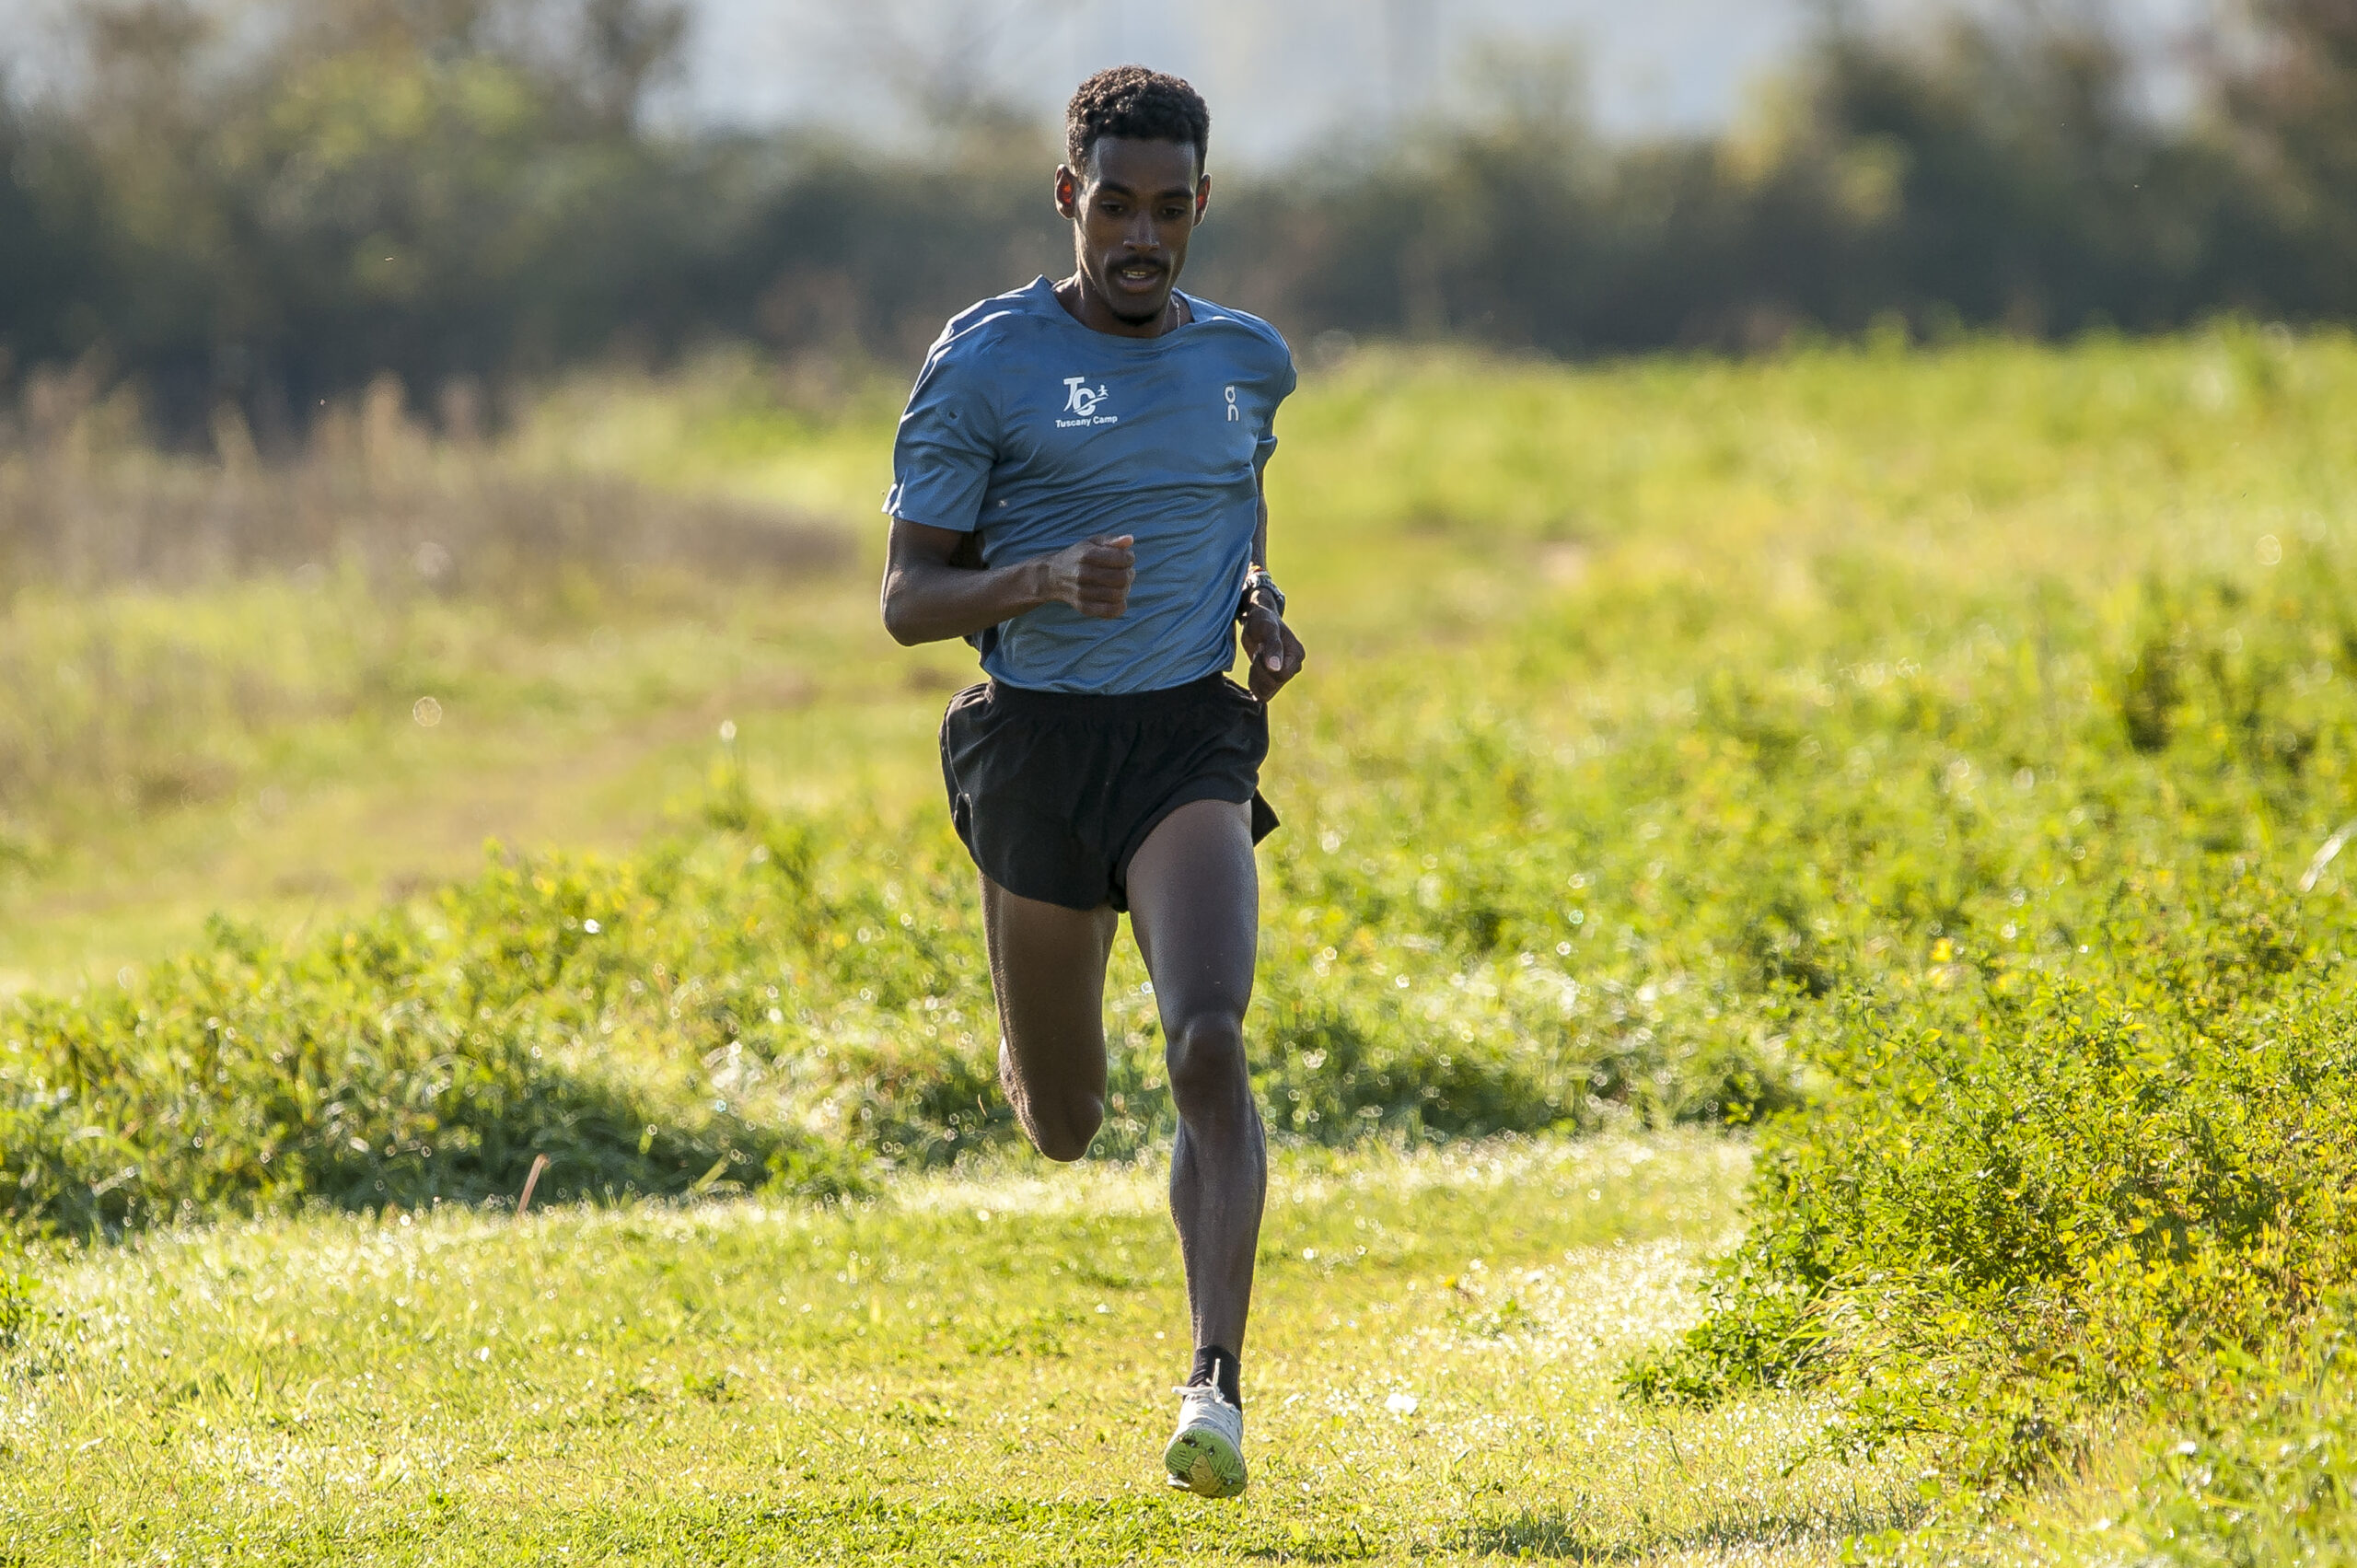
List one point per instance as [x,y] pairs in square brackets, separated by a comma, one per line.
[1281,75]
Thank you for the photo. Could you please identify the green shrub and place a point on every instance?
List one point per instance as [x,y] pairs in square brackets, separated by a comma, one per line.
[765,999]
[2036,1198]
[424,1056]
[2089,1144]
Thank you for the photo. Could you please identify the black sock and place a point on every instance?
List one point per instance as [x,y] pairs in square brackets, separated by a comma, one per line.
[1218,1368]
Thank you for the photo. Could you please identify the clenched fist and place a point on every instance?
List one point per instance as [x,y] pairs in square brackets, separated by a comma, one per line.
[1276,654]
[1094,576]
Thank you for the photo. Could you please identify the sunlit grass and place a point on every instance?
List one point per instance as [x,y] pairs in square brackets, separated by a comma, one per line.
[1424,504]
[973,1368]
[1637,692]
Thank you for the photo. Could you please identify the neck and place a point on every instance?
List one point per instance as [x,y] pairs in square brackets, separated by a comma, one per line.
[1089,307]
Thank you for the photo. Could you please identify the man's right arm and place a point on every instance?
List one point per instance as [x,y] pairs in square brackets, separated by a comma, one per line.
[930,596]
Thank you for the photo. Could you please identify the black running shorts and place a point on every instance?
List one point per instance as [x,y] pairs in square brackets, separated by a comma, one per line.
[1054,792]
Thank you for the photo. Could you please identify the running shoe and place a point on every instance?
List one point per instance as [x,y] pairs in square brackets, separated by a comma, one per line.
[1206,1454]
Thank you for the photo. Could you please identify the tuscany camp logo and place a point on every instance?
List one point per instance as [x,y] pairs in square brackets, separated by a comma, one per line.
[1082,404]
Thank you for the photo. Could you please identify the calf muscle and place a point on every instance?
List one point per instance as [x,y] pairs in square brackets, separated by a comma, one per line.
[1048,970]
[1194,902]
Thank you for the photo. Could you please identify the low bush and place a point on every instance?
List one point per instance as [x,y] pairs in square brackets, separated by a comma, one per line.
[384,1066]
[2081,1164]
[2036,1199]
[763,999]
[768,997]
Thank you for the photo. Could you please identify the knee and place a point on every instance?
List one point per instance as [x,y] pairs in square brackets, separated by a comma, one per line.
[1063,1131]
[1206,1058]
[1060,1121]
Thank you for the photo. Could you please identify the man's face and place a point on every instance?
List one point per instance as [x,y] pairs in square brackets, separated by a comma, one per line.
[1133,208]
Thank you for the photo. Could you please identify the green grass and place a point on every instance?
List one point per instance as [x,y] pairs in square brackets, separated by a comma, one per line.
[974,1368]
[1683,741]
[1422,503]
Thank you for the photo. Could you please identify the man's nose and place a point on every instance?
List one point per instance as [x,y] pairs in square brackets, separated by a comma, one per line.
[1140,235]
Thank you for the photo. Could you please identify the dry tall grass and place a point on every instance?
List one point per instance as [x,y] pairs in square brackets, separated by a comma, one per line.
[86,504]
[164,614]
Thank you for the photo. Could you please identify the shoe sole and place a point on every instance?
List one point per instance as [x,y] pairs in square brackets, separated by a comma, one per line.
[1201,1461]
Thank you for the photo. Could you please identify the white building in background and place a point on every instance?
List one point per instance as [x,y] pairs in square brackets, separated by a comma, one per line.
[1282,75]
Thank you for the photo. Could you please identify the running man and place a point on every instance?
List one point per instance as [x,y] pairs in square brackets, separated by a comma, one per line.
[1076,489]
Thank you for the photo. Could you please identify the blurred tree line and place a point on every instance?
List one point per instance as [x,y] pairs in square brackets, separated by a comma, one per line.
[270,204]
[1999,175]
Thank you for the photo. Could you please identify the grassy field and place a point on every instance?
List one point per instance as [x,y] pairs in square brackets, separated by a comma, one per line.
[1926,753]
[249,739]
[970,1370]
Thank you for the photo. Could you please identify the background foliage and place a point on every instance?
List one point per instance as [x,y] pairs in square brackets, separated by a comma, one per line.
[471,191]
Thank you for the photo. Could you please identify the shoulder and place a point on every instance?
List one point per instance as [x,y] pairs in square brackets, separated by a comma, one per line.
[967,363]
[1251,335]
[987,327]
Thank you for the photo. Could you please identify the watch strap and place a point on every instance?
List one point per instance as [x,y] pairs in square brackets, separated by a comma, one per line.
[1257,580]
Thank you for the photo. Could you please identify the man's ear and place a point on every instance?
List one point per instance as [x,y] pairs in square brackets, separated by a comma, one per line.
[1202,196]
[1067,192]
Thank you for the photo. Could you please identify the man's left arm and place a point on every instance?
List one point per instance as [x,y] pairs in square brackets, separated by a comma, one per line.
[1276,654]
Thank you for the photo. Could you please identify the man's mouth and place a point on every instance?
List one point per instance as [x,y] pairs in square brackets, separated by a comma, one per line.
[1138,276]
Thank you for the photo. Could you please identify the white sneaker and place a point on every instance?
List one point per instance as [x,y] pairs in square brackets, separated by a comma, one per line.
[1206,1454]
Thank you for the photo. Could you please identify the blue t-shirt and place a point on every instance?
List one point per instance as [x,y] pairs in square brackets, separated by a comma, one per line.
[1042,433]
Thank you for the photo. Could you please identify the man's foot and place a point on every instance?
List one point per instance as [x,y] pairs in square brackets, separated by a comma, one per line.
[1206,1454]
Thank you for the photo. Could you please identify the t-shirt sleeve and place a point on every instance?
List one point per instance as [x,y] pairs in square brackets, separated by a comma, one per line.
[1282,383]
[947,444]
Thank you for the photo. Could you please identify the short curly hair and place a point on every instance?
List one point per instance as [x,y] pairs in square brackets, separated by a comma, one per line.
[1129,100]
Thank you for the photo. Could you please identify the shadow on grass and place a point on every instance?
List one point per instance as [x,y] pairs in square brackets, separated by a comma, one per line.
[1564,1534]
[1004,1531]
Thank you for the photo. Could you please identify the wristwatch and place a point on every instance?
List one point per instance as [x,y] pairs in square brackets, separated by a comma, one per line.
[1258,578]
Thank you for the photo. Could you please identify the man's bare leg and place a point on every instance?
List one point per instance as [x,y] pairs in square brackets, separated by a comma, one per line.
[1194,907]
[1048,970]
